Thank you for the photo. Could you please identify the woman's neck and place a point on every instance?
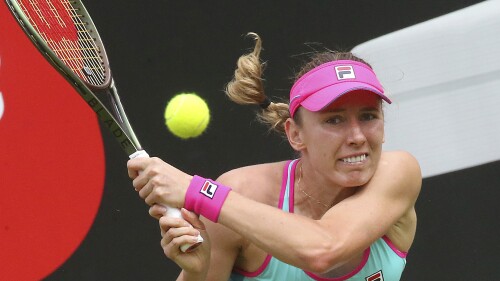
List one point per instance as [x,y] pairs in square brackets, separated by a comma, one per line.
[314,195]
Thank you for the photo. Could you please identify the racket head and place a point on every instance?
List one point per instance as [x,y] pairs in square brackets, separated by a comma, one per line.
[65,31]
[65,34]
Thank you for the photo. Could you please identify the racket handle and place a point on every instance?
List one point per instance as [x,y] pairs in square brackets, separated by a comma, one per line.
[172,212]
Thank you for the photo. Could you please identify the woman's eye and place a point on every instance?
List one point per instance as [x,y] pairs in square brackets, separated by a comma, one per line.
[334,120]
[368,116]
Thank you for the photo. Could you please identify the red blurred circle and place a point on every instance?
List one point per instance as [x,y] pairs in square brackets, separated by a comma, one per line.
[52,163]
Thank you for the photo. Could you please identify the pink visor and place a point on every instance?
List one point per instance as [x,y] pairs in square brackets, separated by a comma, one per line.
[321,86]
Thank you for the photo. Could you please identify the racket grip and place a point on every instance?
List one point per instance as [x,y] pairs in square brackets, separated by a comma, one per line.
[172,212]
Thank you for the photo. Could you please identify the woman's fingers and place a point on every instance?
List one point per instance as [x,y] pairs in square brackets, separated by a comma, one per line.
[176,232]
[167,222]
[157,211]
[157,182]
[193,219]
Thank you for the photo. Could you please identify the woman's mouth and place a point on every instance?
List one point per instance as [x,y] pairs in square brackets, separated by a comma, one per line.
[355,159]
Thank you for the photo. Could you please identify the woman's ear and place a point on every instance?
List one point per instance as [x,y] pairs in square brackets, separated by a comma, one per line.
[294,135]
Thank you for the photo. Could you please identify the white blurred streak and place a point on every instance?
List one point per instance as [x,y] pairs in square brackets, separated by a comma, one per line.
[444,78]
[1,106]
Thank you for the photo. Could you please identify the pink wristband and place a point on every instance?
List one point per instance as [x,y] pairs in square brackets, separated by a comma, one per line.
[205,197]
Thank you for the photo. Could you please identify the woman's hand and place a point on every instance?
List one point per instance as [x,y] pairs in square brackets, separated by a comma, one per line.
[158,182]
[180,231]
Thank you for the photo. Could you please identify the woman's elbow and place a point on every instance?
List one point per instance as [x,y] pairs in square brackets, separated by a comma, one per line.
[325,258]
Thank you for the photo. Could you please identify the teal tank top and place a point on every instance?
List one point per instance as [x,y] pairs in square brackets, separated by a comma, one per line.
[381,262]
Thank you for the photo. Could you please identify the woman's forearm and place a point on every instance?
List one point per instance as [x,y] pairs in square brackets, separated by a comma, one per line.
[294,239]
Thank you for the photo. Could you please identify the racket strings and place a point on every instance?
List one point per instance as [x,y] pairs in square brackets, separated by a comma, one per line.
[93,64]
[61,26]
[62,46]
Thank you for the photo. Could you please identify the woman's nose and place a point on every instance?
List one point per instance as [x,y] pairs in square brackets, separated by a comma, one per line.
[356,135]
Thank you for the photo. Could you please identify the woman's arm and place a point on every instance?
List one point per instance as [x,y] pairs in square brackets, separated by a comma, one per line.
[314,245]
[209,261]
[224,251]
[346,229]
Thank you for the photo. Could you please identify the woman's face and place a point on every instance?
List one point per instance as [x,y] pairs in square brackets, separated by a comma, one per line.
[344,141]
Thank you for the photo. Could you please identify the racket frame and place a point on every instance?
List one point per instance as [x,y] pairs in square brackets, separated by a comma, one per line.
[120,129]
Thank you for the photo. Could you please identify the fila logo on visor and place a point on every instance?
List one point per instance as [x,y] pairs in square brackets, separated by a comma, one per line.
[209,189]
[344,72]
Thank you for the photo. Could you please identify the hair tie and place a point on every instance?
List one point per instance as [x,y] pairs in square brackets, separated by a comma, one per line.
[265,103]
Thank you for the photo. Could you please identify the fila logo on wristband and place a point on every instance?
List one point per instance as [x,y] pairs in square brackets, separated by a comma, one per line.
[345,72]
[208,189]
[206,197]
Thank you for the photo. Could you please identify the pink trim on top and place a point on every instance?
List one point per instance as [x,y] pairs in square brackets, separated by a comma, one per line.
[366,255]
[256,272]
[291,191]
[398,252]
[280,205]
[283,184]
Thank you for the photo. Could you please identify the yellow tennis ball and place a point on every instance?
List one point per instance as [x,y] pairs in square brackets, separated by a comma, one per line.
[187,115]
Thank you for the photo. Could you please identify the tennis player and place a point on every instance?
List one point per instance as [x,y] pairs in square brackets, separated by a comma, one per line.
[343,210]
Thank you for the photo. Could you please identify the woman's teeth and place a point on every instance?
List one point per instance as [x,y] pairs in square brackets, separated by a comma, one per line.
[354,159]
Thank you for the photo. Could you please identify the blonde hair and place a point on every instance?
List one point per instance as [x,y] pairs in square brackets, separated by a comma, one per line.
[247,87]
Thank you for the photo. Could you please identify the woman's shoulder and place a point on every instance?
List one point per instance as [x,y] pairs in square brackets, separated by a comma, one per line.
[401,166]
[259,181]
[400,157]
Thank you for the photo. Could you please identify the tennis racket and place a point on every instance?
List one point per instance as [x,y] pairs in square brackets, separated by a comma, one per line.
[64,33]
